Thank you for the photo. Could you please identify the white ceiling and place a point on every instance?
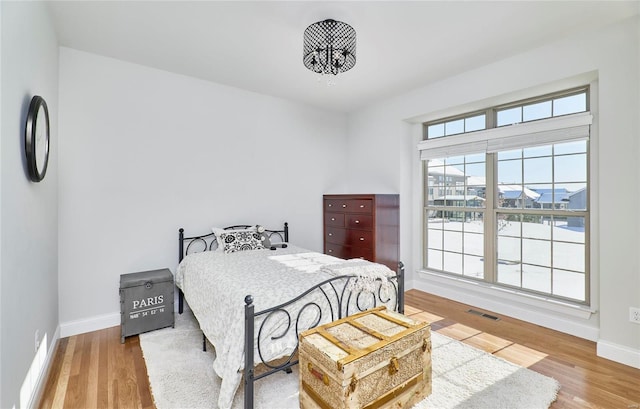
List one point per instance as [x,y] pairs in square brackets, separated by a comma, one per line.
[257,46]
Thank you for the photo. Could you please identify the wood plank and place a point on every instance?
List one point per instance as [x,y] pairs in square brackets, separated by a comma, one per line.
[63,376]
[92,372]
[46,401]
[103,370]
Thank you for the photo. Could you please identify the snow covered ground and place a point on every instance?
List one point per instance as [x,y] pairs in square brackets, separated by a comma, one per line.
[535,256]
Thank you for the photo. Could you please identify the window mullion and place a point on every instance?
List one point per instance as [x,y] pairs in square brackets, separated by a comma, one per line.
[490,243]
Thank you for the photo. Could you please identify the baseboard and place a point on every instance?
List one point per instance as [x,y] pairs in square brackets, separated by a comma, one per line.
[618,353]
[98,322]
[43,376]
[85,325]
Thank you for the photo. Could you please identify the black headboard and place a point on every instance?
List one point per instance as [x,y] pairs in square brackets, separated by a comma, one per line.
[208,242]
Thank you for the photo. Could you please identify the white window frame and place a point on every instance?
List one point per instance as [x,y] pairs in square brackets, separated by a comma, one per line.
[554,130]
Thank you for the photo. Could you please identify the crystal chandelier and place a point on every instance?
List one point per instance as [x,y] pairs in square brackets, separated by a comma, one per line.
[329,47]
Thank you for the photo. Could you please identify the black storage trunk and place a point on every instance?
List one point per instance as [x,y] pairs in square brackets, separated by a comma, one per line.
[146,301]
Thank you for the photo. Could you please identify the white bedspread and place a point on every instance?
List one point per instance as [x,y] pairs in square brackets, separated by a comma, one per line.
[215,285]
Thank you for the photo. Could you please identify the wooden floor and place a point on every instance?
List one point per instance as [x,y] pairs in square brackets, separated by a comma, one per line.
[95,371]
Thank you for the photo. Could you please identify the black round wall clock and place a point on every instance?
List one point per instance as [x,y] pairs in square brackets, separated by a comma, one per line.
[36,139]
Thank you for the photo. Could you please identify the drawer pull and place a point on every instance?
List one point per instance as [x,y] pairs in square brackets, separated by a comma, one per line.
[330,205]
[357,221]
[361,238]
[333,219]
[330,234]
[330,251]
[361,206]
[344,205]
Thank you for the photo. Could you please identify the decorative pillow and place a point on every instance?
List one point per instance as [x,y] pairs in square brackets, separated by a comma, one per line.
[218,231]
[239,240]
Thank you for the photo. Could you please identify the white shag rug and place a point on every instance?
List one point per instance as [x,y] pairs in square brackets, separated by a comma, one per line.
[181,376]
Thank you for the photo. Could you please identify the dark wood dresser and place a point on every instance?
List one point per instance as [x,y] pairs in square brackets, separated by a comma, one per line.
[363,226]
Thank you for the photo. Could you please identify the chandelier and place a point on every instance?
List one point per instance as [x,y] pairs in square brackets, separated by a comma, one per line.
[329,47]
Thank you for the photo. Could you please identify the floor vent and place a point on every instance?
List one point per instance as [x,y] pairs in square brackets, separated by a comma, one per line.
[482,314]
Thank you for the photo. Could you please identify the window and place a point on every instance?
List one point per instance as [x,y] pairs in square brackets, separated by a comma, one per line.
[468,123]
[509,205]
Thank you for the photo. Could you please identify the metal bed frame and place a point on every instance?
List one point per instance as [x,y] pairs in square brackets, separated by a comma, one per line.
[337,301]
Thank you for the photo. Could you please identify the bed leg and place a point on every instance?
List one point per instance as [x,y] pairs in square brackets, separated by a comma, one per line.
[248,351]
[401,287]
[204,343]
[180,301]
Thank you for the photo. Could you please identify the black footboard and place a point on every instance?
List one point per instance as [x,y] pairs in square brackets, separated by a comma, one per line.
[330,300]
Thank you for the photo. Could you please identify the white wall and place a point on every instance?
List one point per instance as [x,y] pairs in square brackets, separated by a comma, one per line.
[29,211]
[145,152]
[611,56]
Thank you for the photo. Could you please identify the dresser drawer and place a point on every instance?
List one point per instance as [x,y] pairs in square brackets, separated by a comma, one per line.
[359,252]
[335,235]
[334,219]
[336,250]
[359,238]
[349,205]
[359,221]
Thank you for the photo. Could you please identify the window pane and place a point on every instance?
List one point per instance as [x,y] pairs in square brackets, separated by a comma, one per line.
[509,116]
[473,266]
[570,147]
[454,127]
[479,157]
[454,160]
[536,111]
[453,262]
[515,154]
[568,256]
[453,241]
[434,239]
[434,221]
[510,172]
[577,200]
[570,105]
[570,230]
[509,225]
[537,151]
[474,244]
[435,131]
[536,252]
[536,227]
[537,170]
[454,221]
[475,123]
[570,168]
[511,196]
[509,250]
[434,259]
[509,273]
[536,278]
[569,284]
